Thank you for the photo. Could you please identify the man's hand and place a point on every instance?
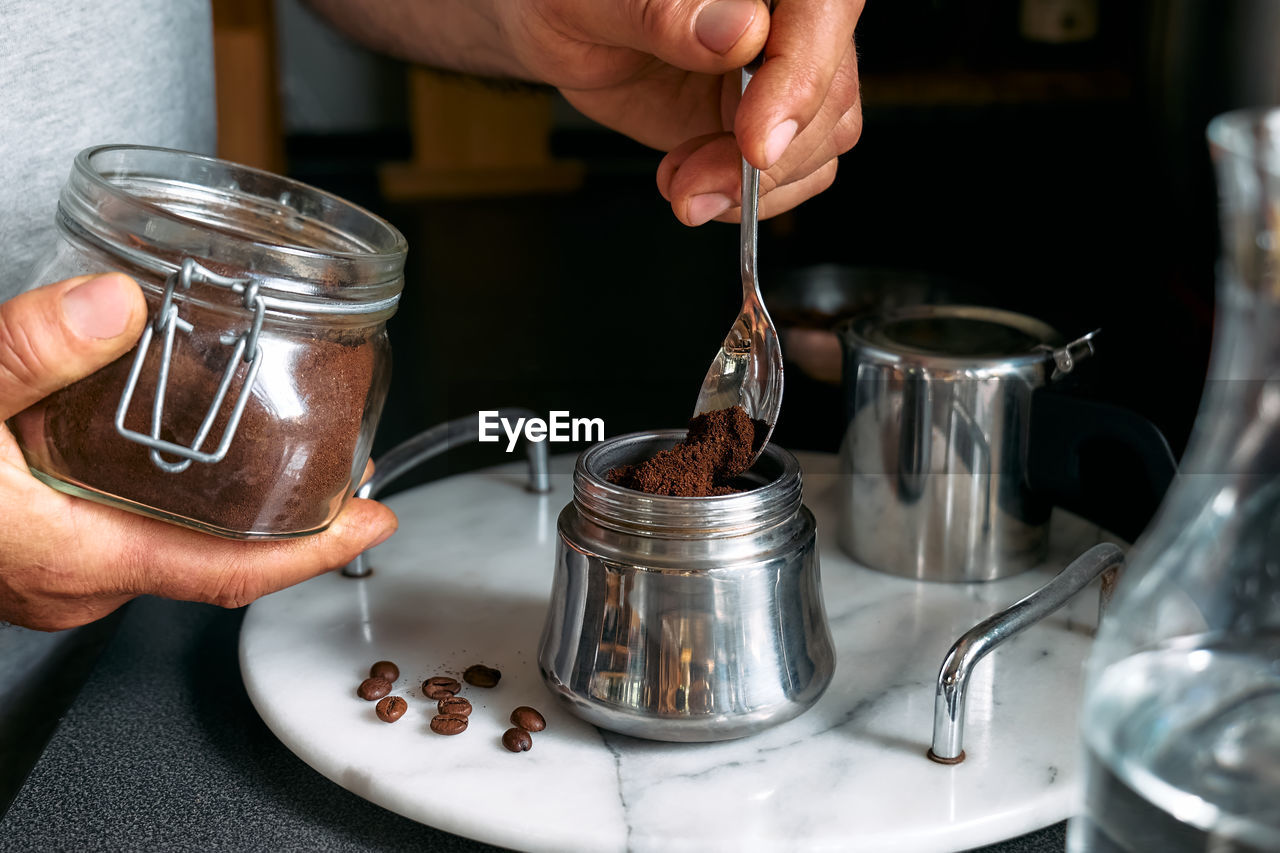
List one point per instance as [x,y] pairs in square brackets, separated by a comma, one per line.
[66,561]
[664,72]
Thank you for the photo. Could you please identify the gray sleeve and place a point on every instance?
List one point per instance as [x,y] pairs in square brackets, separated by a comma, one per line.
[78,73]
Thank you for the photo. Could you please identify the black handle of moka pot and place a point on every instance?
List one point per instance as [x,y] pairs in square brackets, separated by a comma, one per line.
[1098,460]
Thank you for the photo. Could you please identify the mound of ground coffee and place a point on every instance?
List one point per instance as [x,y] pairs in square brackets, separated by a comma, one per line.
[718,448]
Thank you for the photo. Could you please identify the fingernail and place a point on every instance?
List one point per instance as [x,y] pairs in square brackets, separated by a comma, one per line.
[778,140]
[98,308]
[722,23]
[705,207]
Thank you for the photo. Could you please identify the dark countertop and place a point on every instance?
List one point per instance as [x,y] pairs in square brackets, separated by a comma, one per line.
[162,749]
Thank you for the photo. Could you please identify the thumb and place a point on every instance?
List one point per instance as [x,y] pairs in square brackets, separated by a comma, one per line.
[54,335]
[705,36]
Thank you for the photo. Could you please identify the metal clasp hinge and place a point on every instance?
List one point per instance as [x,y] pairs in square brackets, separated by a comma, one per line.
[167,322]
[1066,357]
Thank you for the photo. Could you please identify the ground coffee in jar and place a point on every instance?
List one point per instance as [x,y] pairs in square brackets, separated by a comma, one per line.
[288,473]
[268,301]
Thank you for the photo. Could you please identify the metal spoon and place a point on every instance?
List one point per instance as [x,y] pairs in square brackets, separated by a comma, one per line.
[747,371]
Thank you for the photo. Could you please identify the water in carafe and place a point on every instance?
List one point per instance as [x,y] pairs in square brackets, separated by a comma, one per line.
[1181,719]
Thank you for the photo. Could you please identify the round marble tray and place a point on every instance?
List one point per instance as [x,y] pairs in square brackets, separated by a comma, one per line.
[465,580]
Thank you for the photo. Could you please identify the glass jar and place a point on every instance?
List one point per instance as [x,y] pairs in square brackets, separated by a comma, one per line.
[248,407]
[1181,720]
[686,618]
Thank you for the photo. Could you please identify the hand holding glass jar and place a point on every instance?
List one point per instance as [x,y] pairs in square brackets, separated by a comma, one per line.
[231,386]
[67,562]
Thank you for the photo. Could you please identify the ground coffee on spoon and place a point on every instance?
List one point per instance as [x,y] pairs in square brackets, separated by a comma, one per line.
[718,448]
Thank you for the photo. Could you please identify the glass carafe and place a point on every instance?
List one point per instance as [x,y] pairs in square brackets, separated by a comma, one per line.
[1181,720]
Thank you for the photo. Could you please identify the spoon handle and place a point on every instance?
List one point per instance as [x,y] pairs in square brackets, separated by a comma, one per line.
[749,229]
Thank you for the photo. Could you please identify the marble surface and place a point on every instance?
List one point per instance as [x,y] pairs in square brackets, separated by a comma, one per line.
[466,581]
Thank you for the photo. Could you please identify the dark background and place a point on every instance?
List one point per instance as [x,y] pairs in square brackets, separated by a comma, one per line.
[1068,181]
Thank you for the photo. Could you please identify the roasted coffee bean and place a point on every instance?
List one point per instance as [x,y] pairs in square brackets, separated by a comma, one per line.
[448,724]
[454,705]
[440,686]
[385,669]
[391,708]
[517,740]
[373,688]
[528,719]
[481,675]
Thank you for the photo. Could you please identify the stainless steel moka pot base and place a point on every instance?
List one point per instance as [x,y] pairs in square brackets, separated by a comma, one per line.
[685,619]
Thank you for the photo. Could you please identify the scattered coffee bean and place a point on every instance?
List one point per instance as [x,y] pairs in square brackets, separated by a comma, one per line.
[373,688]
[385,669]
[391,708]
[528,719]
[448,724]
[480,675]
[454,705]
[440,686]
[517,740]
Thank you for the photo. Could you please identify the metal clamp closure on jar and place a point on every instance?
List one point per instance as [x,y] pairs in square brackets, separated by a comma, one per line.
[166,323]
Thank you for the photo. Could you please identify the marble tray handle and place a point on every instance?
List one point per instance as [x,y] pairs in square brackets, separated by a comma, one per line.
[439,439]
[978,641]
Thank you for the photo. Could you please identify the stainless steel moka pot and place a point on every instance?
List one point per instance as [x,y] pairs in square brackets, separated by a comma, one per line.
[934,456]
[685,619]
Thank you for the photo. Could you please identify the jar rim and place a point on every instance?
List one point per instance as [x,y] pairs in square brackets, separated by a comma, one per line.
[84,163]
[151,209]
[776,497]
